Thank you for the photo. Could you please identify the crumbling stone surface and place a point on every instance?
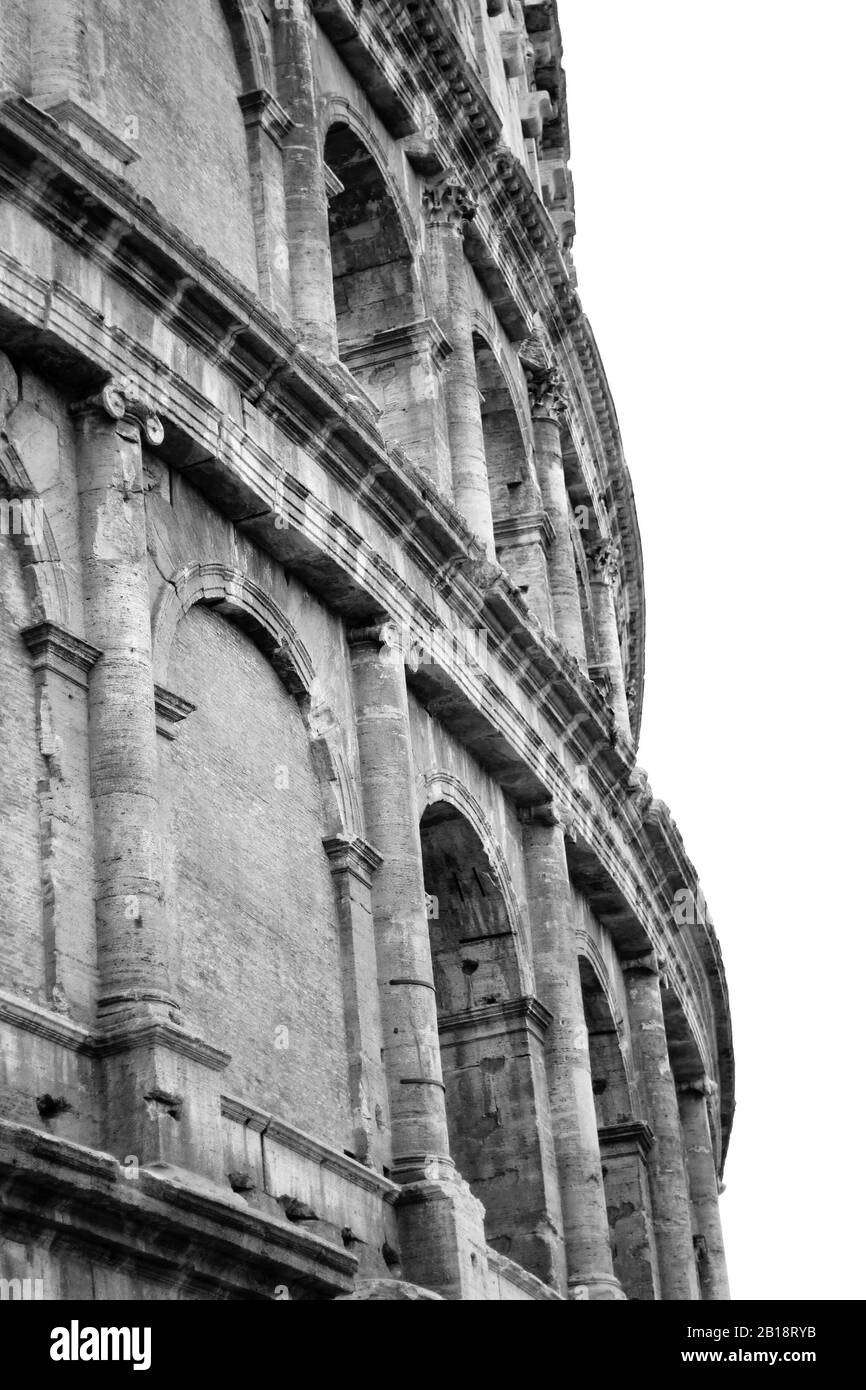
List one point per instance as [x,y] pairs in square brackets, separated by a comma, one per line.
[345,949]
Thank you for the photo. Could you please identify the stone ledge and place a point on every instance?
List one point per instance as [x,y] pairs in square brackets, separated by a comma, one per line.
[83,1195]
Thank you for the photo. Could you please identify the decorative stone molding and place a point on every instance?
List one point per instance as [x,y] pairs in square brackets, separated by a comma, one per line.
[547,397]
[633,1136]
[698,1086]
[492,1020]
[54,649]
[122,399]
[448,202]
[392,344]
[605,562]
[528,529]
[355,856]
[261,108]
[170,710]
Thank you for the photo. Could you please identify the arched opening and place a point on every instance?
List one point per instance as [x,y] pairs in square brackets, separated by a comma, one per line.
[624,1143]
[374,278]
[248,883]
[515,500]
[491,1039]
[384,336]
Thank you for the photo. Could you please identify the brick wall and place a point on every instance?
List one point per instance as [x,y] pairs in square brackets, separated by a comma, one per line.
[193,163]
[248,882]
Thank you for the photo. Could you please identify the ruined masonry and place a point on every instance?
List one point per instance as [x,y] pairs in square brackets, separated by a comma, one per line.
[345,952]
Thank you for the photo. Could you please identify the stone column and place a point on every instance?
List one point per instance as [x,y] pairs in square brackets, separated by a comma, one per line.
[293,30]
[572,1105]
[132,935]
[703,1188]
[268,128]
[604,572]
[547,403]
[449,206]
[160,1083]
[668,1181]
[409,1022]
[441,1224]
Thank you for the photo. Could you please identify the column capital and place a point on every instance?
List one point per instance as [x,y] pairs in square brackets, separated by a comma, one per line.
[261,108]
[605,562]
[122,399]
[547,397]
[448,202]
[542,813]
[650,963]
[698,1086]
[352,855]
[378,632]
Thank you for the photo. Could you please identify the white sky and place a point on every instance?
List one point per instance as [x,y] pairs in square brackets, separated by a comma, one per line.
[721,236]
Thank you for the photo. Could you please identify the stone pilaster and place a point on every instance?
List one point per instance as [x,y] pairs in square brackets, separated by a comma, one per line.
[668,1181]
[449,206]
[403,369]
[546,399]
[62,663]
[63,84]
[268,128]
[441,1223]
[353,864]
[293,30]
[703,1188]
[569,1079]
[604,571]
[624,1151]
[160,1083]
[523,545]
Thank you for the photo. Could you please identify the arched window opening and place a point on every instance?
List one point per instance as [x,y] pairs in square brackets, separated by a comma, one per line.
[385,339]
[519,526]
[624,1142]
[491,1042]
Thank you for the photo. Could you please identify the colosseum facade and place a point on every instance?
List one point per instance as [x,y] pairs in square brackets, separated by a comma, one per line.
[345,951]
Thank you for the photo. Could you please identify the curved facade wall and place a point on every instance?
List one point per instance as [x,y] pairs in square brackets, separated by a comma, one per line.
[340,927]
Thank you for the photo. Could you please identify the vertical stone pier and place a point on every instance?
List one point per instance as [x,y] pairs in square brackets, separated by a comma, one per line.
[704,1187]
[306,198]
[547,401]
[449,206]
[162,1101]
[572,1105]
[668,1181]
[441,1224]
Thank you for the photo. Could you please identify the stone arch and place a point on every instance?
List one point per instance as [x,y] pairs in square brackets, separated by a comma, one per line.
[374,259]
[491,1029]
[246,26]
[507,451]
[41,564]
[247,797]
[444,786]
[244,603]
[250,608]
[612,1072]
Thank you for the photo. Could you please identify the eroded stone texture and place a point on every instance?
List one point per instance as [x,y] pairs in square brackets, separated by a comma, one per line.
[333,900]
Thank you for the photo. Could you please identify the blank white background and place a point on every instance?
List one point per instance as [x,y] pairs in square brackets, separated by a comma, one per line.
[718,158]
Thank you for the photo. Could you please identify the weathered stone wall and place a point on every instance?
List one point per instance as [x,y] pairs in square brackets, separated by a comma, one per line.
[338,925]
